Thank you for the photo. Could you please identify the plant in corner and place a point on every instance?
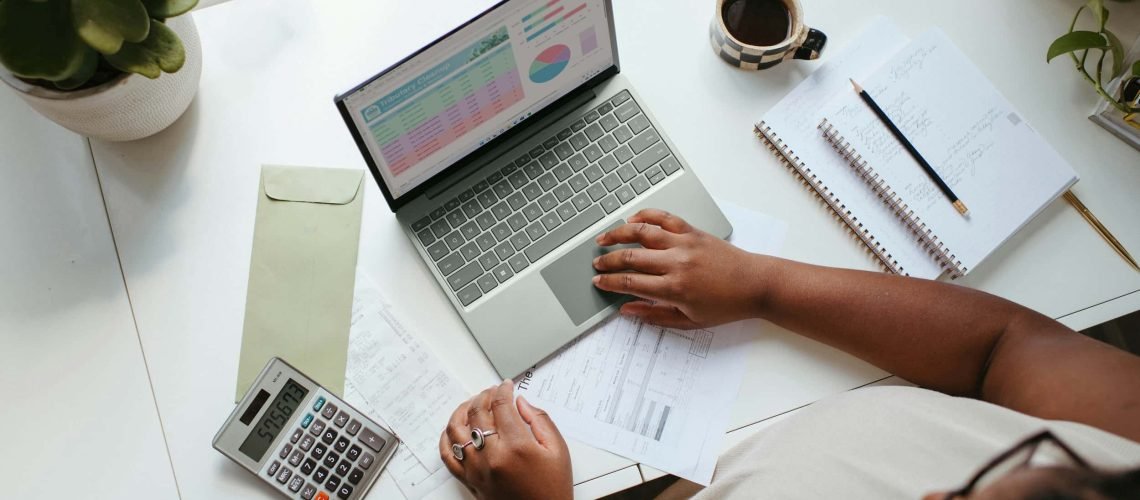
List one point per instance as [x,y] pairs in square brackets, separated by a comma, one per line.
[1092,48]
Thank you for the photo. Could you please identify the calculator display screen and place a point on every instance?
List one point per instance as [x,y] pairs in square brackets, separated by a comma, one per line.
[274,419]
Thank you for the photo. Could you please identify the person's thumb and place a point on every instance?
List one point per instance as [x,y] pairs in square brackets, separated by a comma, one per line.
[540,424]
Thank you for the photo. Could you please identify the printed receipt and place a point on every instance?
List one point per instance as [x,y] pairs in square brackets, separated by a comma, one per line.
[658,396]
[404,385]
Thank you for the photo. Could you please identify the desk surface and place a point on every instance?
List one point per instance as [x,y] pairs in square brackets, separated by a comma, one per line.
[181,204]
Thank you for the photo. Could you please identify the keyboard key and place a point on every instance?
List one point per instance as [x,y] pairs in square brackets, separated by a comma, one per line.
[516,201]
[296,436]
[563,234]
[454,240]
[332,483]
[456,218]
[488,260]
[535,231]
[533,170]
[494,178]
[503,189]
[329,436]
[563,150]
[654,175]
[344,492]
[608,143]
[577,162]
[353,453]
[372,440]
[308,467]
[485,241]
[591,116]
[366,461]
[296,483]
[308,419]
[626,172]
[593,173]
[466,195]
[451,204]
[503,273]
[579,182]
[307,442]
[284,475]
[318,428]
[581,201]
[501,211]
[355,476]
[638,124]
[564,134]
[578,125]
[469,230]
[487,199]
[520,240]
[624,194]
[516,221]
[501,231]
[594,132]
[651,156]
[551,221]
[547,202]
[522,160]
[353,428]
[579,141]
[421,224]
[566,211]
[608,163]
[318,451]
[518,262]
[623,134]
[605,108]
[532,191]
[627,111]
[504,251]
[468,295]
[532,212]
[611,182]
[620,98]
[480,186]
[640,184]
[464,276]
[485,220]
[547,181]
[321,474]
[610,203]
[563,192]
[440,228]
[308,492]
[550,143]
[643,141]
[623,154]
[548,160]
[596,191]
[343,468]
[487,282]
[296,458]
[562,171]
[472,208]
[609,122]
[670,165]
[285,451]
[517,180]
[592,153]
[437,213]
[273,468]
[536,151]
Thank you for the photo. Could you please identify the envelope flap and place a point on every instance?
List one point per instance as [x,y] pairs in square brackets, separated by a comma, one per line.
[333,186]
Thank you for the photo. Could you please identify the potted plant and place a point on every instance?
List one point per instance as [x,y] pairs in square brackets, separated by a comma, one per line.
[110,69]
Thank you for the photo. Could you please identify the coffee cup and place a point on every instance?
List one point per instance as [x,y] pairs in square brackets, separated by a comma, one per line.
[759,34]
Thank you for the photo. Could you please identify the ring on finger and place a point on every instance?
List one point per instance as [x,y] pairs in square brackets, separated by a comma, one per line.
[478,437]
[457,450]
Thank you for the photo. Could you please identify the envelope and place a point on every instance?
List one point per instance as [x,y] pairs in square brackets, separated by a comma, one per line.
[301,273]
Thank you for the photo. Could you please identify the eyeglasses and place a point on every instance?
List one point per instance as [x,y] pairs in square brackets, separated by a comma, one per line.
[1018,456]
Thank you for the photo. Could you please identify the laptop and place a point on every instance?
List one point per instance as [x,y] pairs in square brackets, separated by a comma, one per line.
[504,148]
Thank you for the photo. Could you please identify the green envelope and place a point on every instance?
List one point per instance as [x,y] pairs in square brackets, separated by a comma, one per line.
[301,273]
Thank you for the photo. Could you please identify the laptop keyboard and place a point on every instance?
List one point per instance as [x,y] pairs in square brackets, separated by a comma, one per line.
[483,237]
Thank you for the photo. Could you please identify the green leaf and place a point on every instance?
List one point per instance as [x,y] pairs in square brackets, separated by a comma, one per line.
[161,51]
[1136,68]
[1074,41]
[1098,10]
[86,70]
[106,24]
[1117,49]
[37,40]
[163,9]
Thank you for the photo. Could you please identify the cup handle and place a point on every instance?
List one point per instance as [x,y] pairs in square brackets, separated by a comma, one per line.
[812,46]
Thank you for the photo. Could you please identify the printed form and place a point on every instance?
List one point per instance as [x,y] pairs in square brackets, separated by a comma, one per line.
[659,396]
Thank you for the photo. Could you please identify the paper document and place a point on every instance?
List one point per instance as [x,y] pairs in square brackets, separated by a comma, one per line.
[658,396]
[397,376]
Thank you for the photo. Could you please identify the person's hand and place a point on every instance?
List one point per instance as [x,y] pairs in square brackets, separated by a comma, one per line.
[688,278]
[516,461]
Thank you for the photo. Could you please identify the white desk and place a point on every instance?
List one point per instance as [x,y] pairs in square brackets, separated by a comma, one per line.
[181,203]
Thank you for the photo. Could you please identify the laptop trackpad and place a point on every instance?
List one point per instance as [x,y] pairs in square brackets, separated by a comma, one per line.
[571,279]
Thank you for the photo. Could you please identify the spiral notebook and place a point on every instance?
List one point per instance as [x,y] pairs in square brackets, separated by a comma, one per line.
[980,145]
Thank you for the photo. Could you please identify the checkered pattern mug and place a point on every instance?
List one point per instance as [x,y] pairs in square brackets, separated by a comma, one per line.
[801,41]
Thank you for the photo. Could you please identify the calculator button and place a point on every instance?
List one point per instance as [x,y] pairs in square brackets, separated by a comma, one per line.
[306,421]
[353,453]
[284,475]
[341,444]
[322,496]
[343,467]
[341,419]
[319,403]
[353,427]
[308,466]
[332,483]
[273,468]
[329,411]
[321,474]
[366,461]
[329,436]
[319,451]
[355,476]
[330,460]
[307,442]
[296,436]
[317,428]
[296,458]
[371,439]
[344,492]
[308,492]
[296,484]
[285,451]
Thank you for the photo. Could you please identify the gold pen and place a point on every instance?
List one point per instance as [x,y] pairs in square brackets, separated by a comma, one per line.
[1104,233]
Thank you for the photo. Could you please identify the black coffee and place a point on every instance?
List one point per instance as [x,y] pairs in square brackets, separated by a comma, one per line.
[757,22]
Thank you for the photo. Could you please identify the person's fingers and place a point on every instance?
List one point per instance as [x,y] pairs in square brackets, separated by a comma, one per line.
[507,420]
[646,286]
[541,425]
[479,413]
[453,465]
[457,429]
[646,235]
[658,314]
[666,220]
[634,259]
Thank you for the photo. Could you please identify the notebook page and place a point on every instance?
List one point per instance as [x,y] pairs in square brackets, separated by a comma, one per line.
[794,120]
[979,144]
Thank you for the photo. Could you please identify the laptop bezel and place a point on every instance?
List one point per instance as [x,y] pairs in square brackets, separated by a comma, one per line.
[395,203]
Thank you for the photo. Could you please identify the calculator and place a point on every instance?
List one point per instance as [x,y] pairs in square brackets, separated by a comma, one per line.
[303,440]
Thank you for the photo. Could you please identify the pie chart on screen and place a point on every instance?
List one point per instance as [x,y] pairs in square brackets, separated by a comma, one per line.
[550,63]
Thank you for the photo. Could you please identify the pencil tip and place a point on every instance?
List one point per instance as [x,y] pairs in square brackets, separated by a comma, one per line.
[856,85]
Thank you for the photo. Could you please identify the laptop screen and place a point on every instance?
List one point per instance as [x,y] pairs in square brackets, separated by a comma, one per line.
[426,113]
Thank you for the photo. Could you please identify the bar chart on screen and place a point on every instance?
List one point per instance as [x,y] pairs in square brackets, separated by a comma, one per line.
[551,19]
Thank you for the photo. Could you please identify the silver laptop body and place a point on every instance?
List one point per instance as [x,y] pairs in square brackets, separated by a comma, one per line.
[508,229]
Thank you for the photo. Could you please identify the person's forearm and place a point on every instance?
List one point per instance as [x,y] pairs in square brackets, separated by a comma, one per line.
[934,334]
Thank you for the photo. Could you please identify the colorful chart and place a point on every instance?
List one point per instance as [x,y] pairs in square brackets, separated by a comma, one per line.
[550,63]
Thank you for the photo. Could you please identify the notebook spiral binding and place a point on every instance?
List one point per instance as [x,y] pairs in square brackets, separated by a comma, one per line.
[837,208]
[926,237]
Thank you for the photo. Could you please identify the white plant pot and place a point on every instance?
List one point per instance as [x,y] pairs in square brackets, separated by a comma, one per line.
[129,107]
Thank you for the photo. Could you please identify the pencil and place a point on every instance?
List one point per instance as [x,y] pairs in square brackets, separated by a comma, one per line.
[1103,231]
[958,205]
